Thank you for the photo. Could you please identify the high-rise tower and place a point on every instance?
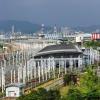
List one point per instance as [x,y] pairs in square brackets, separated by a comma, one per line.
[42,29]
[55,29]
[12,29]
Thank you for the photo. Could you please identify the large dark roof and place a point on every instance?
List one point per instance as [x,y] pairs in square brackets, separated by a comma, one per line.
[59,48]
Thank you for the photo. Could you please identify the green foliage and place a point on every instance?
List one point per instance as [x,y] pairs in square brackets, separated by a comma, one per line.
[93,44]
[74,94]
[67,79]
[88,81]
[93,95]
[1,46]
[2,94]
[70,78]
[89,88]
[42,94]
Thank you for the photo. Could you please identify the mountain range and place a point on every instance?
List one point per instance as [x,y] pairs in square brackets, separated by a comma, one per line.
[89,29]
[19,26]
[28,27]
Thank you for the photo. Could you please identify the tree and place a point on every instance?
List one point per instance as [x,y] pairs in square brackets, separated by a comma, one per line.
[93,95]
[88,80]
[31,96]
[67,79]
[42,94]
[88,89]
[92,43]
[53,95]
[74,94]
[70,78]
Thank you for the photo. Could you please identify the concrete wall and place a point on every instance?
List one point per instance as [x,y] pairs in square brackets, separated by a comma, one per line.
[12,91]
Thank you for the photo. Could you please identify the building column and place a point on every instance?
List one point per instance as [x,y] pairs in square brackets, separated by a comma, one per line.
[90,53]
[16,60]
[28,73]
[71,63]
[0,81]
[19,56]
[53,65]
[9,59]
[62,65]
[13,59]
[31,74]
[46,77]
[18,75]
[14,76]
[35,72]
[48,67]
[65,66]
[11,77]
[59,68]
[42,69]
[79,62]
[23,74]
[3,79]
[34,68]
[39,72]
[98,57]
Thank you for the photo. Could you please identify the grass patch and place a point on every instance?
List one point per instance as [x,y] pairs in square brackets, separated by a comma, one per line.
[64,90]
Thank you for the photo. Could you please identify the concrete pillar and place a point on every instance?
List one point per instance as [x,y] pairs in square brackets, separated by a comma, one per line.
[3,79]
[22,57]
[62,64]
[65,66]
[14,76]
[1,75]
[23,74]
[13,59]
[19,57]
[48,67]
[0,80]
[45,70]
[28,75]
[31,74]
[11,76]
[71,63]
[90,59]
[35,70]
[59,68]
[42,69]
[9,56]
[79,62]
[53,64]
[16,60]
[39,72]
[18,75]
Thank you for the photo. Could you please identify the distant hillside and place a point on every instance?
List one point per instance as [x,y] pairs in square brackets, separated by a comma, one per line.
[28,27]
[88,28]
[23,26]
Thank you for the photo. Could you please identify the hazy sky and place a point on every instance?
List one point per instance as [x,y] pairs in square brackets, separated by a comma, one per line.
[50,12]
